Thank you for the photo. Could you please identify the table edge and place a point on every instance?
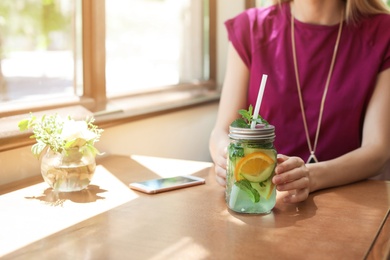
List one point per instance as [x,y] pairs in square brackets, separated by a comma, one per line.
[381,242]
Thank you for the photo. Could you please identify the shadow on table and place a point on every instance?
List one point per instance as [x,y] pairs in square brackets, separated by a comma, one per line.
[282,215]
[88,195]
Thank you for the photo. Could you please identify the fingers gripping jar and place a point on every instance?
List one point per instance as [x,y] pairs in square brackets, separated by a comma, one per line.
[250,168]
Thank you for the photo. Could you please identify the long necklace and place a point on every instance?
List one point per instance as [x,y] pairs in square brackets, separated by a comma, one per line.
[312,158]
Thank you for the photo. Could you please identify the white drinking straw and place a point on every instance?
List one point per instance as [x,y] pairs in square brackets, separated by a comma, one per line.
[258,101]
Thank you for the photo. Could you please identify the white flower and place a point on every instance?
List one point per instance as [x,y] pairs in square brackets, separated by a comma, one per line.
[73,130]
[61,135]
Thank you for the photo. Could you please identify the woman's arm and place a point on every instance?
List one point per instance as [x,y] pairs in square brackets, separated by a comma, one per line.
[362,163]
[374,152]
[233,98]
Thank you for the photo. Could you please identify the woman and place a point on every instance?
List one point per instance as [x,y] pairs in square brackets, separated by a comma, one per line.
[327,93]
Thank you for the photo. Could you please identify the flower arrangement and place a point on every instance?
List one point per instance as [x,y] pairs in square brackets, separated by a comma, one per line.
[62,134]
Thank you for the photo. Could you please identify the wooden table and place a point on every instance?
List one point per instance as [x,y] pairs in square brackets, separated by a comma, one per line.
[110,221]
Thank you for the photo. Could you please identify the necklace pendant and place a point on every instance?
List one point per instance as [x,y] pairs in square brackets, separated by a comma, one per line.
[312,158]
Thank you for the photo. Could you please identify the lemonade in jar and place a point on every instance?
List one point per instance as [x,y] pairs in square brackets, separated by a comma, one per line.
[251,166]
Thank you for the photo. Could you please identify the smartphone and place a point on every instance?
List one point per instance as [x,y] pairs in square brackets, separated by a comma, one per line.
[166,184]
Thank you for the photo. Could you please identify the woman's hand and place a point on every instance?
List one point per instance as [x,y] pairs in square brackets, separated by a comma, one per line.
[220,166]
[233,98]
[292,176]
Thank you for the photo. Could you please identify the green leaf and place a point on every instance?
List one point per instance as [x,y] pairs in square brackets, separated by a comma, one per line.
[240,122]
[247,118]
[24,124]
[246,114]
[89,148]
[261,120]
[235,151]
[37,149]
[78,142]
[246,186]
[250,110]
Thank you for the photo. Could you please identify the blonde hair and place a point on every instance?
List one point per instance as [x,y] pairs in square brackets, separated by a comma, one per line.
[357,9]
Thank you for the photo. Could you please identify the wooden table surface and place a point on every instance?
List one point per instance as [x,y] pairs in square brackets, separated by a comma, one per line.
[110,221]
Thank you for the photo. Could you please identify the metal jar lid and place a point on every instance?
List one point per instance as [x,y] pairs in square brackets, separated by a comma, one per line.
[260,132]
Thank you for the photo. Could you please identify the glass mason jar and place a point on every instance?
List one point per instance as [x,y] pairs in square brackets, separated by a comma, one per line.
[250,168]
[68,170]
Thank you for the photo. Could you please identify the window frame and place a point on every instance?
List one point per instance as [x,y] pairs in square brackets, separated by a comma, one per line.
[109,112]
[94,57]
[250,4]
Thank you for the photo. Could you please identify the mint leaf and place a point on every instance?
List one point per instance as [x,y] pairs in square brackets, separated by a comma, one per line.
[246,114]
[235,151]
[246,186]
[260,120]
[247,118]
[240,122]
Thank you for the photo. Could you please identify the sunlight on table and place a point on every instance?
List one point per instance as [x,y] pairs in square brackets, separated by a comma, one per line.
[179,249]
[40,212]
[170,167]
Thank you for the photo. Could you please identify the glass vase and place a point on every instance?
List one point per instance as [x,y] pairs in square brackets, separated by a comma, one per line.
[69,170]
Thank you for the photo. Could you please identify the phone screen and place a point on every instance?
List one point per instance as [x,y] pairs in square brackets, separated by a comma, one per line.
[165,184]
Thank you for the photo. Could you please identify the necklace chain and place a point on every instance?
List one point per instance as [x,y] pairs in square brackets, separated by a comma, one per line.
[313,149]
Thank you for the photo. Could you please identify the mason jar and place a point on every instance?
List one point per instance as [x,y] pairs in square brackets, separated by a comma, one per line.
[250,168]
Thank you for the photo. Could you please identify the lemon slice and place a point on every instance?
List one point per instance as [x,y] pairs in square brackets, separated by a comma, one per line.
[255,167]
[265,190]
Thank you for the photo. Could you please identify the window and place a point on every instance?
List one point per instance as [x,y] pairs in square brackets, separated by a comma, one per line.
[160,46]
[57,53]
[38,50]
